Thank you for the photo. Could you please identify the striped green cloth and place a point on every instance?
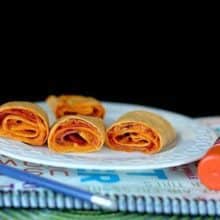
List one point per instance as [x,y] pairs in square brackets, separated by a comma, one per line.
[45,214]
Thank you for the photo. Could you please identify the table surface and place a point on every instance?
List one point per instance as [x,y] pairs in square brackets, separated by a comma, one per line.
[22,214]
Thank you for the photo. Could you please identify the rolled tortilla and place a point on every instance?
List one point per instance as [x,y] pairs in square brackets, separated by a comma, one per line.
[75,105]
[140,131]
[24,121]
[77,134]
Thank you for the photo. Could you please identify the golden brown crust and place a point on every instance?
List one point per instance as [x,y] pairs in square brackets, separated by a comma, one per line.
[140,131]
[75,105]
[24,121]
[77,134]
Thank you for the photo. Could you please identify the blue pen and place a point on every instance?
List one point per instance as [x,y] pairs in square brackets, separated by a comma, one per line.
[56,186]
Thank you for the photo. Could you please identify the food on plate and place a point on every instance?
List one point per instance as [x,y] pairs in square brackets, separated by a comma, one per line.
[74,133]
[75,105]
[141,131]
[24,121]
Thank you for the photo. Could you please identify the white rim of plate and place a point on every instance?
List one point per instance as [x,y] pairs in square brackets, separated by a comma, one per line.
[205,137]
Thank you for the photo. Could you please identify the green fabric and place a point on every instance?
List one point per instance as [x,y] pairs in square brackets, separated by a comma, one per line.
[45,214]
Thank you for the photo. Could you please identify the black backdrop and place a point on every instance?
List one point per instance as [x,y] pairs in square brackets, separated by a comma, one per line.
[30,52]
[180,94]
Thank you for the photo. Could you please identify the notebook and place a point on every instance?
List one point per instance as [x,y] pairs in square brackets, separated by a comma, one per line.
[175,190]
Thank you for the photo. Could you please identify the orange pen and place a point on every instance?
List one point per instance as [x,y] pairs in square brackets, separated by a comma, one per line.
[209,167]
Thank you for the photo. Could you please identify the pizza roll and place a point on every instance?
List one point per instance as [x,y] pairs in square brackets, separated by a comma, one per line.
[140,131]
[75,105]
[77,134]
[24,121]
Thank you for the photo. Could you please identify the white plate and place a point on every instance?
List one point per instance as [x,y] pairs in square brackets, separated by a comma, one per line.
[193,141]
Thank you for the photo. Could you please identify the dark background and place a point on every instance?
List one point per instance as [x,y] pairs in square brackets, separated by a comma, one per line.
[193,97]
[178,58]
[175,70]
